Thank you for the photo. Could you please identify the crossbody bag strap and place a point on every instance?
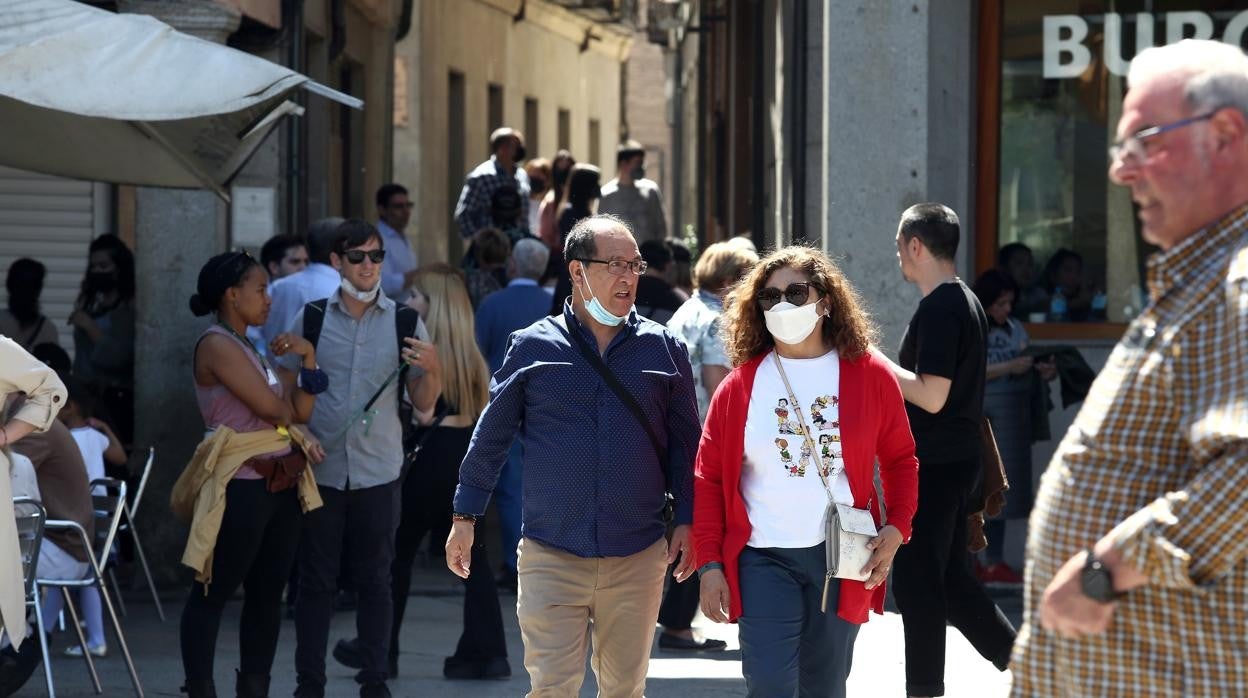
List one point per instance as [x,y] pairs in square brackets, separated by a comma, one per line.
[626,397]
[810,442]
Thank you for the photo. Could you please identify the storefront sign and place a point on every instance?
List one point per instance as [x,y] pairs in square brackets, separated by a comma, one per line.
[1066,54]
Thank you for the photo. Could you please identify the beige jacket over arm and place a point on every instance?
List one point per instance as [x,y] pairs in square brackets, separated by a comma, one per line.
[45,395]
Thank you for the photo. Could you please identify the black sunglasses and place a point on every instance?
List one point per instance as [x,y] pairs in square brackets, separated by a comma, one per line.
[357,256]
[797,294]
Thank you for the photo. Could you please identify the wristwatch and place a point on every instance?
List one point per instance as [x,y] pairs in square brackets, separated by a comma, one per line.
[711,566]
[1096,581]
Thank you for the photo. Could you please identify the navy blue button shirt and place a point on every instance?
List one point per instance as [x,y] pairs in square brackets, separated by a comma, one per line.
[593,485]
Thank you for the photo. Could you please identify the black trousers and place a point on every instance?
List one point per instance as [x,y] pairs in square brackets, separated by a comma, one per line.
[680,603]
[361,522]
[255,548]
[428,491]
[934,585]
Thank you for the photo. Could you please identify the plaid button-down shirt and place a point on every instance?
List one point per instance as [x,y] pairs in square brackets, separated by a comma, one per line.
[472,211]
[1161,442]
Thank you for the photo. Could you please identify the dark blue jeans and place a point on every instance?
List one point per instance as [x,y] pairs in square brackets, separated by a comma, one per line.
[788,646]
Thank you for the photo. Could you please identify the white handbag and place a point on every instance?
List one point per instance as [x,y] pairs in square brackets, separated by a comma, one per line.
[847,530]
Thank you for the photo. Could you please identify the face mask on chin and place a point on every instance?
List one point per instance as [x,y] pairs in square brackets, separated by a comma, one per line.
[350,289]
[638,172]
[791,324]
[595,308]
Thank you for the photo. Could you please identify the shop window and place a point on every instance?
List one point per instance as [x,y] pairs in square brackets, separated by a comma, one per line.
[595,142]
[565,129]
[531,130]
[1053,97]
[494,105]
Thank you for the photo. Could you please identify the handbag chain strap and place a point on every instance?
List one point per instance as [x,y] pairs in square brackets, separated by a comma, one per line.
[810,442]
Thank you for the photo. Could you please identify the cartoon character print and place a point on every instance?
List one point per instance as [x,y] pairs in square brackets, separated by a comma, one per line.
[822,403]
[782,416]
[786,458]
[825,444]
[804,460]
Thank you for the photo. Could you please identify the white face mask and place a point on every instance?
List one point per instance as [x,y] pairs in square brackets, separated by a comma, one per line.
[791,324]
[361,296]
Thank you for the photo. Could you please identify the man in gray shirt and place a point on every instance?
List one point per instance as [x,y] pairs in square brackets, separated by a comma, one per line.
[358,348]
[633,198]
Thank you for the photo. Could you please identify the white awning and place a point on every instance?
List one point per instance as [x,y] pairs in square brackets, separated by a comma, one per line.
[125,98]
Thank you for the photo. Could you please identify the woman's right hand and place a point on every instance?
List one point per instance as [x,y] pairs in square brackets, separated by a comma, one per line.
[290,343]
[715,597]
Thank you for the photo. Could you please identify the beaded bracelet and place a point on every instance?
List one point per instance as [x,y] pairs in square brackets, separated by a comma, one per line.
[313,381]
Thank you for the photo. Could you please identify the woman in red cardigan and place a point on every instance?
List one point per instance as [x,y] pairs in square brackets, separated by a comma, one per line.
[759,503]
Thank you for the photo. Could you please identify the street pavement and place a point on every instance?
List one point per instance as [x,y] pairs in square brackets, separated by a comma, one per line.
[432,628]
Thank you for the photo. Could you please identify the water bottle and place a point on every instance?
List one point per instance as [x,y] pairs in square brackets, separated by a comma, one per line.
[1057,306]
[1099,304]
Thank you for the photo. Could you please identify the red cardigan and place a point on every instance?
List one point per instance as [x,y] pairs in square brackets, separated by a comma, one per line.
[873,425]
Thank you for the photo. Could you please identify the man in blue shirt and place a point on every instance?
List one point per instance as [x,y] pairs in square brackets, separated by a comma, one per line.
[394,212]
[318,280]
[593,543]
[514,308]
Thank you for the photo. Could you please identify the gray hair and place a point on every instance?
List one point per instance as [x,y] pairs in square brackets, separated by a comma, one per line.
[579,244]
[530,256]
[1216,72]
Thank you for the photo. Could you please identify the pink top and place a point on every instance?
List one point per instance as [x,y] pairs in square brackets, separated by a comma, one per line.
[219,407]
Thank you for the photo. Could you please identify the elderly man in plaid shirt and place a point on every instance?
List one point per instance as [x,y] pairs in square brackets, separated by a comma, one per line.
[472,211]
[1137,571]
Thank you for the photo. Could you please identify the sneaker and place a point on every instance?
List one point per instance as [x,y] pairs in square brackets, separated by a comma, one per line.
[1000,574]
[100,650]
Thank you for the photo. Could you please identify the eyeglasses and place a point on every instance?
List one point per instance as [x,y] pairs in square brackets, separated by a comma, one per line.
[357,256]
[797,293]
[619,266]
[1131,148]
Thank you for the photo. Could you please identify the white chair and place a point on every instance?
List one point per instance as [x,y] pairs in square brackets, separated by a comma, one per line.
[127,525]
[31,520]
[108,513]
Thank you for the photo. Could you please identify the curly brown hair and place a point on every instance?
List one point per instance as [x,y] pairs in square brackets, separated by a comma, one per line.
[847,327]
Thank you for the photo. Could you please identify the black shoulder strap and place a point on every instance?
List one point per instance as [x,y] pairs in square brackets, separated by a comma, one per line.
[626,397]
[313,319]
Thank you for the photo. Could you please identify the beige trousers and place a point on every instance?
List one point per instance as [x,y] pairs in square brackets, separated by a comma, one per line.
[563,600]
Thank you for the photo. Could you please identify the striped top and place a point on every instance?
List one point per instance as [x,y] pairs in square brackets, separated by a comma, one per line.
[1161,442]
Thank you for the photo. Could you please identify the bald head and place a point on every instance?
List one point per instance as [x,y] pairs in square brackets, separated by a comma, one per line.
[582,241]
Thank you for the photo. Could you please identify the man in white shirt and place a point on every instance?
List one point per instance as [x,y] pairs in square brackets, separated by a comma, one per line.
[394,212]
[319,280]
[281,256]
[632,197]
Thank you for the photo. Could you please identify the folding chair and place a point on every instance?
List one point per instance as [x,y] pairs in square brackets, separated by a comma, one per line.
[127,524]
[108,510]
[31,518]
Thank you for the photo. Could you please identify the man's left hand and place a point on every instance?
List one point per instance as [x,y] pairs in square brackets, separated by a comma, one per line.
[1066,610]
[681,545]
[421,354]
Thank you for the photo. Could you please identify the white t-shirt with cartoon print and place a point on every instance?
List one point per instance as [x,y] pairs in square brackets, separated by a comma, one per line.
[784,496]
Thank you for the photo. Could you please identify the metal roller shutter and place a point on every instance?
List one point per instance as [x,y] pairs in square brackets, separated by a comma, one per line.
[52,220]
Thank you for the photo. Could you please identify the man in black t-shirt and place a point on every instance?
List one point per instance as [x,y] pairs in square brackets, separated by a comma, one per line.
[657,299]
[943,368]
